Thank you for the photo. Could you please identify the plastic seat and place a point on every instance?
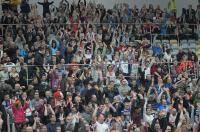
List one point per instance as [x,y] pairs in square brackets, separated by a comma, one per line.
[175,52]
[174,46]
[165,41]
[197,46]
[198,53]
[197,50]
[191,41]
[173,41]
[194,50]
[157,41]
[184,45]
[183,41]
[192,45]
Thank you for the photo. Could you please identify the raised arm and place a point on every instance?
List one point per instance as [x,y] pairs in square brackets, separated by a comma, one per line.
[51,2]
[145,106]
[95,112]
[159,96]
[192,117]
[40,3]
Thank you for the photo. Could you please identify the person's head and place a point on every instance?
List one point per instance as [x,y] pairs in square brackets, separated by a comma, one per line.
[196,118]
[17,86]
[33,60]
[62,61]
[44,77]
[43,128]
[45,1]
[42,51]
[78,99]
[101,118]
[53,58]
[35,80]
[29,129]
[74,110]
[161,114]
[116,99]
[90,29]
[18,104]
[168,129]
[7,97]
[24,95]
[5,55]
[58,129]
[164,102]
[185,57]
[110,68]
[94,98]
[137,109]
[169,79]
[127,104]
[110,87]
[48,94]
[37,38]
[124,82]
[148,111]
[36,95]
[53,43]
[159,69]
[13,70]
[184,121]
[157,127]
[53,118]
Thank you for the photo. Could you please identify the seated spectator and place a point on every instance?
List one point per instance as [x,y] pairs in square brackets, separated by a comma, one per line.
[83,67]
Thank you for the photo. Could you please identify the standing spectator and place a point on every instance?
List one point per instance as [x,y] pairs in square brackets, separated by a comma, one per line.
[19,114]
[46,5]
[25,7]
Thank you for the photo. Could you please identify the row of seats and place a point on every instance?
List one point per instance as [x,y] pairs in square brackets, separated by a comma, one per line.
[175,45]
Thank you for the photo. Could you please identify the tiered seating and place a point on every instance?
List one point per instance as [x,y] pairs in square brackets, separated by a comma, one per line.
[174,46]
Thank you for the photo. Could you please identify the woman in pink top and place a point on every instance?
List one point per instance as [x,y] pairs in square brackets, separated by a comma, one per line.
[19,114]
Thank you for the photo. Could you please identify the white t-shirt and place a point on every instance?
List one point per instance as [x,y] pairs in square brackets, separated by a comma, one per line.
[147,72]
[88,56]
[167,57]
[101,127]
[135,68]
[90,36]
[124,67]
[149,118]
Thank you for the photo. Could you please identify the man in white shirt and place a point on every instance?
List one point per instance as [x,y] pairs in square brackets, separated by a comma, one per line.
[4,73]
[101,126]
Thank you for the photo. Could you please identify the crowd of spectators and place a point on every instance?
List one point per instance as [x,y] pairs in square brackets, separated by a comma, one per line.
[79,68]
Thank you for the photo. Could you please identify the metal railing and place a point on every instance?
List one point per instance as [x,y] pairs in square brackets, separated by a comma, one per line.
[150,33]
[66,67]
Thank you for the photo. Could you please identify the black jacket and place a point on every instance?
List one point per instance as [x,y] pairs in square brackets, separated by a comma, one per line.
[46,7]
[39,59]
[25,8]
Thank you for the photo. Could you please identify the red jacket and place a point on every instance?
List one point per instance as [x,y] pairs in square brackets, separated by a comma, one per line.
[74,24]
[184,65]
[19,114]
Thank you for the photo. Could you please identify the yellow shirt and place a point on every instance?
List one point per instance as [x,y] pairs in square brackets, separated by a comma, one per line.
[172,5]
[15,2]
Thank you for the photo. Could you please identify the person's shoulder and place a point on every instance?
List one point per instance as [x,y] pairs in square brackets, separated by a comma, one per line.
[105,125]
